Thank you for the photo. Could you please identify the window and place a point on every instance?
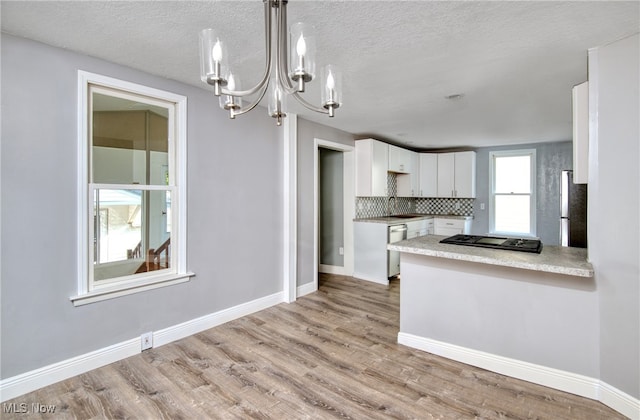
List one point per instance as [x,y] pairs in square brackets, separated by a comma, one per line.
[513,199]
[132,147]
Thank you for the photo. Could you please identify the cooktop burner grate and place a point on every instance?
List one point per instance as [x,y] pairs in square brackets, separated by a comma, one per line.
[510,244]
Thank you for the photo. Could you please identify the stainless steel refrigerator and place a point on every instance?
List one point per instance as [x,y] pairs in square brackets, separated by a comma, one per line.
[573,208]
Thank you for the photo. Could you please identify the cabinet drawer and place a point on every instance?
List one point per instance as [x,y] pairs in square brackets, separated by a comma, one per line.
[449,223]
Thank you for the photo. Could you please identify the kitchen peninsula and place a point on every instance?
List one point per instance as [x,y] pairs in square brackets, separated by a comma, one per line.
[526,315]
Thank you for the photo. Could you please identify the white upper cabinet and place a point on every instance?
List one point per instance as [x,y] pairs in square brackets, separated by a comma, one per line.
[581,133]
[465,174]
[409,184]
[446,162]
[399,160]
[428,175]
[457,175]
[372,160]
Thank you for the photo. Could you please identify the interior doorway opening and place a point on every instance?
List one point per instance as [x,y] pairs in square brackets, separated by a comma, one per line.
[334,208]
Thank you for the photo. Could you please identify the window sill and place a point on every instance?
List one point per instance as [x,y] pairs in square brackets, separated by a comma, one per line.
[114,292]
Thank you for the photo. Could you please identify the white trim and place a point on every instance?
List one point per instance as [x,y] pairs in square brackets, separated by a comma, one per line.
[289,205]
[306,289]
[332,269]
[553,378]
[532,194]
[129,288]
[372,279]
[194,326]
[619,401]
[47,375]
[348,202]
[177,138]
[30,381]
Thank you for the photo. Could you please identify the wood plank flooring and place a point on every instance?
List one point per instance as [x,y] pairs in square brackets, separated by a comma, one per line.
[331,354]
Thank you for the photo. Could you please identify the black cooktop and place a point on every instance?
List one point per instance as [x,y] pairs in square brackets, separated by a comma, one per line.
[511,244]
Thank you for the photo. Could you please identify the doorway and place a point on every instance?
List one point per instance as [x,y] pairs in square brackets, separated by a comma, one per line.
[334,208]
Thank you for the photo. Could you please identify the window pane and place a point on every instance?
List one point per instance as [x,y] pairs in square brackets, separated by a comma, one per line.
[125,222]
[512,213]
[129,138]
[513,174]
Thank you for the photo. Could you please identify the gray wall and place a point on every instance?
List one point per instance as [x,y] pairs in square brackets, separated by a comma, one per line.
[307,132]
[614,208]
[551,159]
[331,196]
[234,213]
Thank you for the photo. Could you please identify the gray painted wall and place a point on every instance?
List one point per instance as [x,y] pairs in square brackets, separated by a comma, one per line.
[551,159]
[307,132]
[614,208]
[234,213]
[331,196]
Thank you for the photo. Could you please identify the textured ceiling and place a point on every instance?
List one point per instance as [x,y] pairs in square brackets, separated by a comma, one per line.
[515,62]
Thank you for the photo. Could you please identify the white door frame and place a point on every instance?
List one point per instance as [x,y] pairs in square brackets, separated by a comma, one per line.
[289,204]
[349,206]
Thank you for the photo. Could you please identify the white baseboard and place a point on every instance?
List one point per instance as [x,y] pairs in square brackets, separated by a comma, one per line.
[197,325]
[332,269]
[361,276]
[619,401]
[305,289]
[30,381]
[553,378]
[47,375]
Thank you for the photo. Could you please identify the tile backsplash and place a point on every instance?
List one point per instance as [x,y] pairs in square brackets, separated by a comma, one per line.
[382,206]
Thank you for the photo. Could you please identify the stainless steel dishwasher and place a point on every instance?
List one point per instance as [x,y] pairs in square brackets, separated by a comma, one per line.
[397,233]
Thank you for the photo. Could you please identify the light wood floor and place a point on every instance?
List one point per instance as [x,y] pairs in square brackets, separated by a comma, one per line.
[330,354]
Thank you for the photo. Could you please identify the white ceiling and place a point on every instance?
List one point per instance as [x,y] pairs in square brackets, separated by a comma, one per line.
[515,62]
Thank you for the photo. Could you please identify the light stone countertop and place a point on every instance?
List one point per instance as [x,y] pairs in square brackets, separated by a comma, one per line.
[552,259]
[390,220]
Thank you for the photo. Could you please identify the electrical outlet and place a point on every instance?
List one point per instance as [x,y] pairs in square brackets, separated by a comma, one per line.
[481,206]
[457,206]
[146,341]
[341,251]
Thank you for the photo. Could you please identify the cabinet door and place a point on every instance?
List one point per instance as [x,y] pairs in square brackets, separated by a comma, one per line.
[371,168]
[581,133]
[428,179]
[399,160]
[465,175]
[446,185]
[408,183]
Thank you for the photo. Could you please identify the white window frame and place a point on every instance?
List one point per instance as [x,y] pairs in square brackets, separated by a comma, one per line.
[89,291]
[492,193]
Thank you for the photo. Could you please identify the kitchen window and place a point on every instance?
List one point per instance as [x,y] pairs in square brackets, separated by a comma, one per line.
[132,174]
[513,198]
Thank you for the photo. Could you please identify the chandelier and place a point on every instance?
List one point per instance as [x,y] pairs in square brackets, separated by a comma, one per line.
[281,77]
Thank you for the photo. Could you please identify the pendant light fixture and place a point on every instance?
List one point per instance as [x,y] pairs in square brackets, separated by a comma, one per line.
[281,77]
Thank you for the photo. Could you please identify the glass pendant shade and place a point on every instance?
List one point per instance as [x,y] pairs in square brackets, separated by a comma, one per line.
[228,101]
[302,52]
[213,56]
[277,99]
[332,89]
[290,64]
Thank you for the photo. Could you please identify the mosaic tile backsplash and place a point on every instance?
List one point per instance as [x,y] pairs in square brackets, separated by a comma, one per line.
[382,206]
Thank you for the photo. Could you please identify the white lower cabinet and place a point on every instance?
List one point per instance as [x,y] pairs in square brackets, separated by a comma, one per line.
[450,227]
[371,258]
[418,228]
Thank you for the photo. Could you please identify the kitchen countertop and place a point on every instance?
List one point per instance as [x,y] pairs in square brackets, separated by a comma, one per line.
[391,220]
[552,259]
